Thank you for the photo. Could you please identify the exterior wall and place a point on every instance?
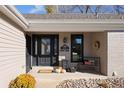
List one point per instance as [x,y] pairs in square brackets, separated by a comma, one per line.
[87,45]
[12,51]
[102,51]
[116,53]
[63,53]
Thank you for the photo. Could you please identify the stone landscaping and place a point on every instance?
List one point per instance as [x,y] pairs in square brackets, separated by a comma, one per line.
[92,83]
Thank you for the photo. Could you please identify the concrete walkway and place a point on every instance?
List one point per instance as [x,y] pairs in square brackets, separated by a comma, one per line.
[50,80]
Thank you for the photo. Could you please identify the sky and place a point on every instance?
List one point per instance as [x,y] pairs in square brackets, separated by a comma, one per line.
[31,9]
[40,9]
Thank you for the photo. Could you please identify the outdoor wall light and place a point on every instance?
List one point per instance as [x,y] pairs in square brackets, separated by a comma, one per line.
[65,39]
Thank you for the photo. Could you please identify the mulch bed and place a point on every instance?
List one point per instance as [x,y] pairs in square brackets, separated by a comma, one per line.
[92,83]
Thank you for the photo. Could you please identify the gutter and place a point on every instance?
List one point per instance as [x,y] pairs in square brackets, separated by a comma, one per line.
[12,13]
[76,21]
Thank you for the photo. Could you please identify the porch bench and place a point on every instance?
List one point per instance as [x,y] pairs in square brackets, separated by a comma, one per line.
[89,64]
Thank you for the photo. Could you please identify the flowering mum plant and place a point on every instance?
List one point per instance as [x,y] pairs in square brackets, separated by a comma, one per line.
[23,81]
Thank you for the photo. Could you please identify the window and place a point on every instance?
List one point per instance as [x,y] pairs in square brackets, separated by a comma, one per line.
[77,48]
[45,46]
[35,46]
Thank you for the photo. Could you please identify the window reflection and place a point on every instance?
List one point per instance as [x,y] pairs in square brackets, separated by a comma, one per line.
[77,48]
[55,46]
[35,46]
[45,46]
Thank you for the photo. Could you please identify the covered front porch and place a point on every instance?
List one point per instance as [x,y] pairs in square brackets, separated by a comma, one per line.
[89,57]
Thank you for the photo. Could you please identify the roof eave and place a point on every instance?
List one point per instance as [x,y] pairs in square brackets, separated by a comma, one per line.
[12,13]
[76,21]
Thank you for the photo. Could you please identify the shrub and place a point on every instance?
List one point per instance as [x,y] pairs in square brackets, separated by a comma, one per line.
[23,81]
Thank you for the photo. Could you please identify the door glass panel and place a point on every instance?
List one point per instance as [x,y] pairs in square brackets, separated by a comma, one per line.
[35,46]
[55,46]
[45,46]
[77,48]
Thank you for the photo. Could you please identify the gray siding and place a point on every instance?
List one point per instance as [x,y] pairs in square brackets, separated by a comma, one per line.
[12,50]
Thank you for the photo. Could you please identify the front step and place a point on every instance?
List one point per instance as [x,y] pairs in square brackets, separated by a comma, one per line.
[35,69]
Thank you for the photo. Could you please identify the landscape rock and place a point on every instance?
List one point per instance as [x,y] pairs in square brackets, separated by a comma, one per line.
[92,83]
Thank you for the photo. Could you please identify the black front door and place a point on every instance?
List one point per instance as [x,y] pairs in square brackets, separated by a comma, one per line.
[45,50]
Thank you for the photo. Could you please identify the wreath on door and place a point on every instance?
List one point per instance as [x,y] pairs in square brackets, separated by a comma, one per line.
[97,45]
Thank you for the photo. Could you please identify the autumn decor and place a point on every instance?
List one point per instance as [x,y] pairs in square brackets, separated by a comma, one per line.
[97,45]
[23,81]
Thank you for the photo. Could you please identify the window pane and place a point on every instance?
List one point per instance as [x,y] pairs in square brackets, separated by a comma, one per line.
[55,46]
[45,46]
[35,46]
[77,48]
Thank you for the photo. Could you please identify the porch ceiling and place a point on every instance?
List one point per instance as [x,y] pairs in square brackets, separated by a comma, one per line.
[76,25]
